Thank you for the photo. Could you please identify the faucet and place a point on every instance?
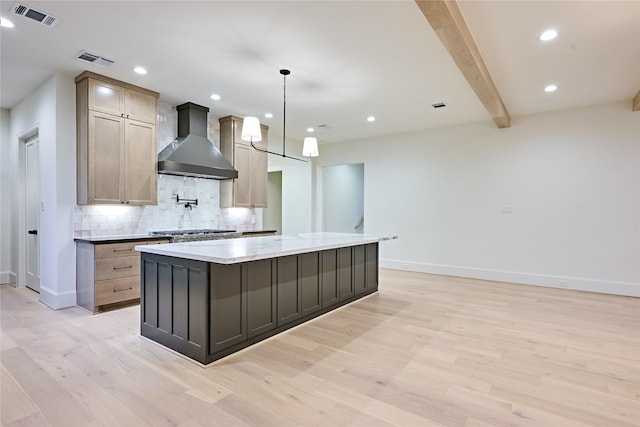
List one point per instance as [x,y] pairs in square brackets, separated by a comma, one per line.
[188,203]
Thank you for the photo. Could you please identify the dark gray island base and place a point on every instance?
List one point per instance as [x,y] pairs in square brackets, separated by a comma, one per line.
[207,310]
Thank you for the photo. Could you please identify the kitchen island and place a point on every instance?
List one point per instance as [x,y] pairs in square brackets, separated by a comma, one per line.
[209,299]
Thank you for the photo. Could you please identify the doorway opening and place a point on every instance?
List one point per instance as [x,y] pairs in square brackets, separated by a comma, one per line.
[343,198]
[272,215]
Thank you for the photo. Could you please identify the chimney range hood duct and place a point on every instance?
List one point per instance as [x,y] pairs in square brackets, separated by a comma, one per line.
[191,153]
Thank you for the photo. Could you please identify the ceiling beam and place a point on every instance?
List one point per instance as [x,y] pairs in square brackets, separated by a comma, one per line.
[449,24]
[636,102]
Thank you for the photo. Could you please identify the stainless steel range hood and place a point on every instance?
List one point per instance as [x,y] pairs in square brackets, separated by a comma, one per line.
[191,153]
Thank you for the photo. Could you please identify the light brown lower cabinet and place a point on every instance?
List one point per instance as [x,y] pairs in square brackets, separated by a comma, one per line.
[108,274]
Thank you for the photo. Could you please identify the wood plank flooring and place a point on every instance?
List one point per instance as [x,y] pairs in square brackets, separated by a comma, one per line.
[425,350]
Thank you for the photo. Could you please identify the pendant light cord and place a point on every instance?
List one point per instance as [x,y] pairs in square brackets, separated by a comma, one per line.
[284,110]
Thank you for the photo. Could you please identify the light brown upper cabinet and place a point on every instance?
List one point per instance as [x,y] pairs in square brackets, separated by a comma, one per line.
[249,190]
[116,142]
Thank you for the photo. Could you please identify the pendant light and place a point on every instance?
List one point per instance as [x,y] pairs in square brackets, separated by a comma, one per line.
[251,131]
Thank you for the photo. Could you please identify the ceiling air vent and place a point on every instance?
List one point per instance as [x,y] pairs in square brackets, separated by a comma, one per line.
[98,60]
[439,105]
[36,15]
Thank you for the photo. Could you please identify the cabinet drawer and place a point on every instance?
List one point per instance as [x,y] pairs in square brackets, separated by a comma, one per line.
[117,290]
[113,268]
[112,250]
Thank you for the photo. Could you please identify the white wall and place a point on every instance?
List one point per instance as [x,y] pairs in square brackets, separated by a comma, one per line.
[296,185]
[343,197]
[571,180]
[49,110]
[7,269]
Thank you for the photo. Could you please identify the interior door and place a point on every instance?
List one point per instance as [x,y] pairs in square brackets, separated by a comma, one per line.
[32,213]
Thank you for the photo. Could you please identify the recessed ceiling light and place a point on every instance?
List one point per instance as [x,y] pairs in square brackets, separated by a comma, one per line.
[215,97]
[140,70]
[371,119]
[6,23]
[551,88]
[548,35]
[310,130]
[268,115]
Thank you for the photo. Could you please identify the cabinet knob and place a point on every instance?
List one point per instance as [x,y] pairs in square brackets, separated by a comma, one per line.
[121,114]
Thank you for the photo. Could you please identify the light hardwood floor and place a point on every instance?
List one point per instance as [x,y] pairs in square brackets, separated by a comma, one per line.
[425,350]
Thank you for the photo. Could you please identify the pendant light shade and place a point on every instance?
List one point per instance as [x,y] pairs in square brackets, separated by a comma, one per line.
[251,129]
[310,147]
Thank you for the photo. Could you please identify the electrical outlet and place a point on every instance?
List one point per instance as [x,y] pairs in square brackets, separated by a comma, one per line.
[405,266]
[563,283]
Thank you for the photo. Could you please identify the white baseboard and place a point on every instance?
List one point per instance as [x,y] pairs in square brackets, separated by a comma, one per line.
[8,277]
[57,301]
[561,282]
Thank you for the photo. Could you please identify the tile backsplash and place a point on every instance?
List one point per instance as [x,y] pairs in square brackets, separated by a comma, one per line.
[102,220]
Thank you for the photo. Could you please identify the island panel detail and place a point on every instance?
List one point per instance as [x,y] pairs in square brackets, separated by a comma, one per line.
[207,310]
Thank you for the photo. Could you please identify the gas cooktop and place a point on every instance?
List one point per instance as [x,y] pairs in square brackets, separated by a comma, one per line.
[178,236]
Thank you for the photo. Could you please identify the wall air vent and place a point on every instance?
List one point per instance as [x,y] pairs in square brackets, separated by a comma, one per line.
[36,15]
[98,60]
[439,105]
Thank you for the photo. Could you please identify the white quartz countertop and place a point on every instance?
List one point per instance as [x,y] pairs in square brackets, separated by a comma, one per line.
[231,251]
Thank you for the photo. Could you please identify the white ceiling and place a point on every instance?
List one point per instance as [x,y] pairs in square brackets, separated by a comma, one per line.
[348,59]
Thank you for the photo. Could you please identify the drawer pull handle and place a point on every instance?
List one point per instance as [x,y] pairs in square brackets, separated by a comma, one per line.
[122,290]
[122,268]
[122,250]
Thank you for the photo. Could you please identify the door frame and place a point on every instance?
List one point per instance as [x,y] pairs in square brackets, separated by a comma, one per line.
[21,232]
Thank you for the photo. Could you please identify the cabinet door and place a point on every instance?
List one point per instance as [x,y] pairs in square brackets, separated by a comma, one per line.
[261,297]
[236,130]
[139,106]
[310,289]
[288,290]
[329,278]
[359,282]
[242,184]
[106,98]
[345,278]
[228,305]
[371,273]
[258,179]
[105,158]
[140,163]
